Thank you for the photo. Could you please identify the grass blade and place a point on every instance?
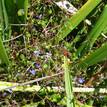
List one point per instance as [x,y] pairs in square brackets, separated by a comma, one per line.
[72,22]
[99,55]
[15,6]
[4,13]
[3,56]
[4,22]
[68,84]
[23,4]
[94,34]
[11,10]
[26,4]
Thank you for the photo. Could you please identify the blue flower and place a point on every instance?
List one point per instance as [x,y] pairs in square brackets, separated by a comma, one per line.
[81,80]
[37,65]
[4,94]
[32,71]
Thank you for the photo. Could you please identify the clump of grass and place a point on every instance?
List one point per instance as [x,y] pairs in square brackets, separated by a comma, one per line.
[4,31]
[74,21]
[38,59]
[94,58]
[94,34]
[99,55]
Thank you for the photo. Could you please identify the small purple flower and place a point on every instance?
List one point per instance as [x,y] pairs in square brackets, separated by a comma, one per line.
[32,71]
[38,16]
[4,94]
[81,80]
[37,65]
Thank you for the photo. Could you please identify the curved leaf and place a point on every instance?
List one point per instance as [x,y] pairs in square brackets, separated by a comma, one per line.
[72,22]
[95,57]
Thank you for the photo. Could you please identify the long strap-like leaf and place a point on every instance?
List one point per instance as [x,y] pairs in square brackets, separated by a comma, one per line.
[95,57]
[95,33]
[3,15]
[72,22]
[4,22]
[68,84]
[3,56]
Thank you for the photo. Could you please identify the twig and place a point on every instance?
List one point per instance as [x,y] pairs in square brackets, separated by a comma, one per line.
[37,88]
[32,81]
[19,24]
[13,38]
[89,90]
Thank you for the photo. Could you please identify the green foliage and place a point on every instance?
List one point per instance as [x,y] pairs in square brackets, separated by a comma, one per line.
[94,34]
[3,56]
[18,9]
[68,84]
[99,55]
[95,57]
[4,22]
[31,58]
[4,32]
[22,6]
[72,22]
[3,15]
[8,9]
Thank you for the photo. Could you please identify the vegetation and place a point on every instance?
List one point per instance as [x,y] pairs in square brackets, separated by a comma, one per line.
[40,41]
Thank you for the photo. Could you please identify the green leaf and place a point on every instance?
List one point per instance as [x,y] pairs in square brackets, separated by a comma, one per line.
[99,55]
[68,83]
[94,34]
[18,9]
[74,21]
[23,5]
[3,56]
[4,14]
[4,24]
[11,10]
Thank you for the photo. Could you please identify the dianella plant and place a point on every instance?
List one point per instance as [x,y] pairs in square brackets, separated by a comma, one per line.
[11,12]
[85,55]
[4,31]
